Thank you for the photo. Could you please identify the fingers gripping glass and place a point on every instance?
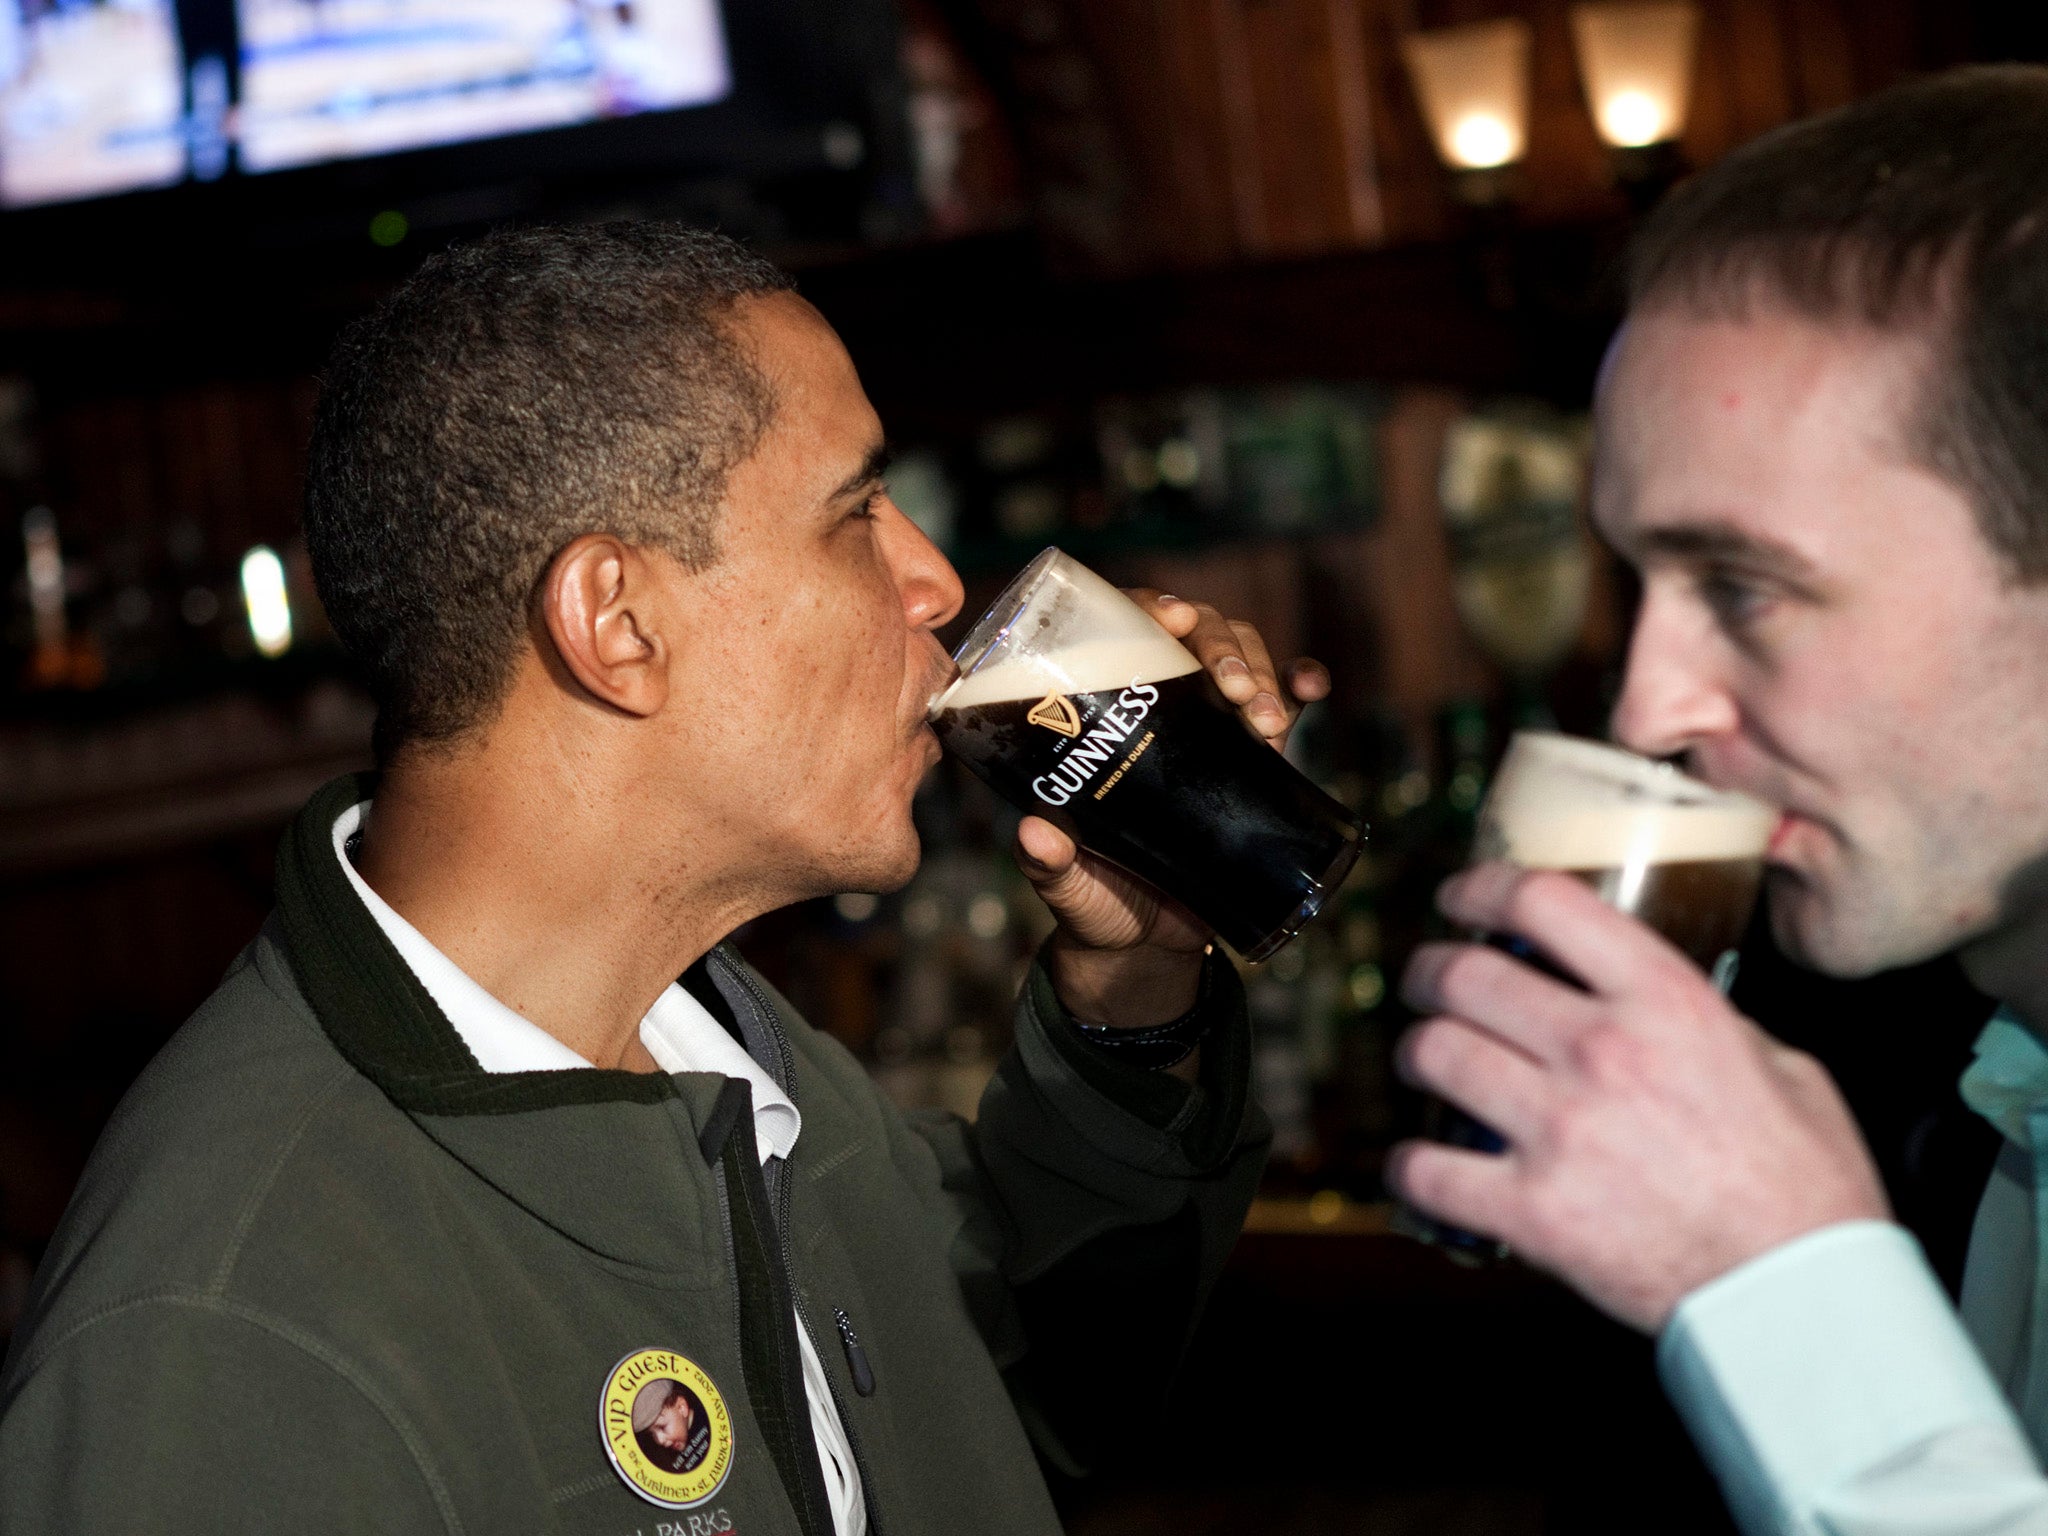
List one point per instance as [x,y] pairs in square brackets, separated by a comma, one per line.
[1679,855]
[1075,705]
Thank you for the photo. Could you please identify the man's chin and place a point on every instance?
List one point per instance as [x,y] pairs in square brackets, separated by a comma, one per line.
[1814,932]
[885,868]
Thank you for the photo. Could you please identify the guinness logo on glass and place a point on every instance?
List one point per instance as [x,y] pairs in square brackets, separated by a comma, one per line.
[1056,712]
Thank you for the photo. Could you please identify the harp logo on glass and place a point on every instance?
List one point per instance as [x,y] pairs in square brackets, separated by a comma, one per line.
[1056,712]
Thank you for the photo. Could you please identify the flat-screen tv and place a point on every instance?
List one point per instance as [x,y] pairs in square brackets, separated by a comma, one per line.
[333,79]
[298,108]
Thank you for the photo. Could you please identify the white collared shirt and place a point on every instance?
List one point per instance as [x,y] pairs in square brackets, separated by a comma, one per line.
[681,1036]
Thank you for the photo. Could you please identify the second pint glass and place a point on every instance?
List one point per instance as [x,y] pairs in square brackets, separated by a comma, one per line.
[1681,856]
[1075,705]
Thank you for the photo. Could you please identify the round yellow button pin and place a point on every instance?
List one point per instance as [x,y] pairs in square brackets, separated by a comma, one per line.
[666,1428]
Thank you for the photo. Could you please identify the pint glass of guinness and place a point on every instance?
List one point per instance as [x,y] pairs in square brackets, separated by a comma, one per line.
[1683,857]
[1075,705]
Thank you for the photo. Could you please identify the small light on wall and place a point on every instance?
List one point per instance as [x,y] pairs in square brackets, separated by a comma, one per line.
[1636,59]
[263,594]
[1473,86]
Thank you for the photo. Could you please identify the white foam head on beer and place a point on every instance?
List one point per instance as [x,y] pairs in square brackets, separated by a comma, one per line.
[1562,803]
[1060,628]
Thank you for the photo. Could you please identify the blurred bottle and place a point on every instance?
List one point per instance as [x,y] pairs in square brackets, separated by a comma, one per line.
[59,656]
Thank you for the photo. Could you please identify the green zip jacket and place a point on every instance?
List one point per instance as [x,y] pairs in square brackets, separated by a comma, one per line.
[323,1273]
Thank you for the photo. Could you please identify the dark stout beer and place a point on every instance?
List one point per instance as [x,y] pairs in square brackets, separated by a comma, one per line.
[1085,712]
[1700,905]
[1683,858]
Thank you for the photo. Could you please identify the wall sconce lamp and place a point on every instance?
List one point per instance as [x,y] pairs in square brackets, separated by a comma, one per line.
[1472,83]
[1636,61]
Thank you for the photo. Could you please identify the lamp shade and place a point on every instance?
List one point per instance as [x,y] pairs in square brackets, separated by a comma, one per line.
[1636,59]
[1473,85]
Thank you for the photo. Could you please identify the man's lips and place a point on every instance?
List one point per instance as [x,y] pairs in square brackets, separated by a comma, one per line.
[926,748]
[1787,827]
[1790,836]
[942,679]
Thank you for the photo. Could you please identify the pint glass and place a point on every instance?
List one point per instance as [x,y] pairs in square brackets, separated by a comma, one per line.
[1685,858]
[1075,705]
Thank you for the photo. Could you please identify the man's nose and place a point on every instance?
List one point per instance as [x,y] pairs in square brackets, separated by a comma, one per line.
[932,593]
[1672,695]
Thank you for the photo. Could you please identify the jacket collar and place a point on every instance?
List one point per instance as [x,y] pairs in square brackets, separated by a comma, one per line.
[548,1141]
[389,1026]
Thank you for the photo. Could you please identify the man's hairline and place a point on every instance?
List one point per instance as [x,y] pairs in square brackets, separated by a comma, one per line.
[1746,290]
[720,317]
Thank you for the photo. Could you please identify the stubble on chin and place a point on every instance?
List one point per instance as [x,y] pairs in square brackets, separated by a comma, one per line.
[884,861]
[1808,927]
[1845,927]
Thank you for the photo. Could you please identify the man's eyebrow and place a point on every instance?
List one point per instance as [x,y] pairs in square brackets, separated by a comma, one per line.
[871,470]
[1720,543]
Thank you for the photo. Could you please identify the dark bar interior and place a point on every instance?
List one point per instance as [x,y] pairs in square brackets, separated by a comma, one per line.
[1187,289]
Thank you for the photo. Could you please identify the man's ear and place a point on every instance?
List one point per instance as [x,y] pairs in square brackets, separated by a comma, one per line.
[601,606]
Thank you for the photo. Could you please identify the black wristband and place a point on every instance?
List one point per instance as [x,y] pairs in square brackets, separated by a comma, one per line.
[1156,1046]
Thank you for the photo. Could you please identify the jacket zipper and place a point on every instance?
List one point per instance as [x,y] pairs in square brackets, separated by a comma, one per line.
[767,1013]
[856,1357]
[744,1187]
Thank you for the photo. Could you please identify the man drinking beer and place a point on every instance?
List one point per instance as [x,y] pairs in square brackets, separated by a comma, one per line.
[1822,440]
[489,1156]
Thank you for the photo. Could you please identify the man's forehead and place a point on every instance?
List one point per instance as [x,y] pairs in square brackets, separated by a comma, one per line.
[792,343]
[823,429]
[1709,416]
[1767,370]
[1784,450]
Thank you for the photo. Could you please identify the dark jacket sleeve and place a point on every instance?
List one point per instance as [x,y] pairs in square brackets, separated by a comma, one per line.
[1097,1203]
[175,1414]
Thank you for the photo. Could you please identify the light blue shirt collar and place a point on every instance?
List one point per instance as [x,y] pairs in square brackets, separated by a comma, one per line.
[2008,1085]
[2008,1082]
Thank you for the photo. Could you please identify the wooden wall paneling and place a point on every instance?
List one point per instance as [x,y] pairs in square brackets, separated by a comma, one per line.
[1298,140]
[1158,58]
[1196,224]
[1889,40]
[1823,57]
[1081,176]
[1752,37]
[1709,126]
[1413,199]
[1252,124]
[1239,100]
[1158,61]
[1566,174]
[1358,141]
[1746,81]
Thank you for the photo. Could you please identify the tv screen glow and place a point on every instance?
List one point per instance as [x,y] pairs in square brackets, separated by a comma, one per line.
[90,100]
[111,96]
[334,79]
